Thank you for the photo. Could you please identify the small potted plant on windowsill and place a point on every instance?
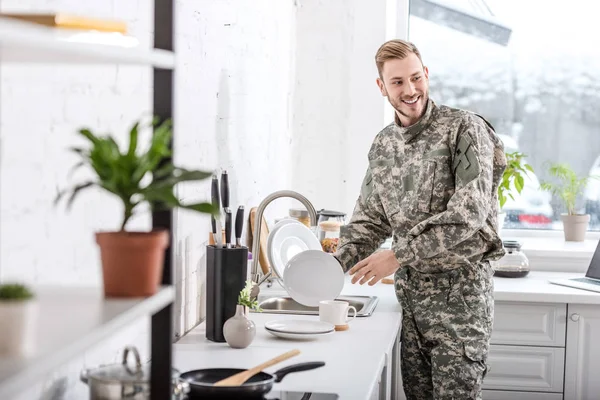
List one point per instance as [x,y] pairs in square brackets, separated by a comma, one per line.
[18,316]
[239,330]
[568,188]
[512,182]
[132,261]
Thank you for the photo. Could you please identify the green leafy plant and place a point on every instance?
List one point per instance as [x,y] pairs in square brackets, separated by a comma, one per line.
[134,177]
[512,179]
[14,291]
[568,186]
[245,297]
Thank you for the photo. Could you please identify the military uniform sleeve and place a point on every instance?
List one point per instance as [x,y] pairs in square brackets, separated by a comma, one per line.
[474,168]
[367,229]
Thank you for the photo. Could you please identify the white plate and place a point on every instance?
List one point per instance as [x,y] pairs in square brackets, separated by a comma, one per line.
[313,276]
[299,326]
[277,269]
[298,336]
[288,240]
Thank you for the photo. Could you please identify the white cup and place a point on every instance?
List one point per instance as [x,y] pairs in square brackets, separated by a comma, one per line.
[336,312]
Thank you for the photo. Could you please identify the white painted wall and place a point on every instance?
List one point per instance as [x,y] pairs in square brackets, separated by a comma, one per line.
[338,109]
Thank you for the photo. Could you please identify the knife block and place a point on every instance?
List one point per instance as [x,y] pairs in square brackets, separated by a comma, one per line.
[226,274]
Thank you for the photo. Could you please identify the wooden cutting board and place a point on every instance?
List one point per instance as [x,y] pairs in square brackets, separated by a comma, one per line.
[264,234]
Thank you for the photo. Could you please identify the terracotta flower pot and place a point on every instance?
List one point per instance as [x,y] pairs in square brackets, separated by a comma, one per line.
[132,262]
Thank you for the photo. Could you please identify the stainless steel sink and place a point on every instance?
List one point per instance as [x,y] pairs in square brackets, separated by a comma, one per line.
[365,305]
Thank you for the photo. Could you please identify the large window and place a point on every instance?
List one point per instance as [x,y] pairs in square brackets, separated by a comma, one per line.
[532,68]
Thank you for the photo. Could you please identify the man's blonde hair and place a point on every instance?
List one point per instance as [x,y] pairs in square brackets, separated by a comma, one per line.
[394,49]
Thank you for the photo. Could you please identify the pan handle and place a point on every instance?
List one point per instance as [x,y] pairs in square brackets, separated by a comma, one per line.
[280,374]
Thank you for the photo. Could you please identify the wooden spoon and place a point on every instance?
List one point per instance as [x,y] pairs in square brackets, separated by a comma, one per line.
[241,377]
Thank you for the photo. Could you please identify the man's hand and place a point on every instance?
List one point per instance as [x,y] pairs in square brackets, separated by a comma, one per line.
[375,267]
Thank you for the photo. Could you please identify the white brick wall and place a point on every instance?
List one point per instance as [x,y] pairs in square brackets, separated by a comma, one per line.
[233,81]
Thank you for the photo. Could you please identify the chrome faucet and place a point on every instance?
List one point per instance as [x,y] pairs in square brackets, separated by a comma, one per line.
[257,225]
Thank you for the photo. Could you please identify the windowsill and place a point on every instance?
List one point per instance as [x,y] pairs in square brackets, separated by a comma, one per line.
[548,250]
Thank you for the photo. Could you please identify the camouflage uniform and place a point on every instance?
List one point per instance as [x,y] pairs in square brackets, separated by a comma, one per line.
[433,186]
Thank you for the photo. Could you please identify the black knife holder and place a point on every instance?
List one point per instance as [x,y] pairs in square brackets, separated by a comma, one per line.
[226,275]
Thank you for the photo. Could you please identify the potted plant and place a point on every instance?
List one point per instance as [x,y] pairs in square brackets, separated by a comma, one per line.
[132,261]
[512,181]
[568,187]
[18,312]
[239,330]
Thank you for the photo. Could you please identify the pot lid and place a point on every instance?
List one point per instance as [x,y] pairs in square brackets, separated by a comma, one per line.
[331,213]
[130,372]
[512,244]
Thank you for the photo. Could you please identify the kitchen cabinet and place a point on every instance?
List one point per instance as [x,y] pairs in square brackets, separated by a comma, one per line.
[527,351]
[510,395]
[583,352]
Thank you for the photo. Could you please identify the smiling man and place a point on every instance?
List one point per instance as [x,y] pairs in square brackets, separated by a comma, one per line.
[431,184]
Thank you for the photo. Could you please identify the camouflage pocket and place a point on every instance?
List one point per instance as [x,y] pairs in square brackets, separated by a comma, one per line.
[475,350]
[387,183]
[436,185]
[426,184]
[366,188]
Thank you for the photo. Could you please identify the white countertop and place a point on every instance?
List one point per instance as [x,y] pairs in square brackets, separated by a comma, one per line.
[536,287]
[353,358]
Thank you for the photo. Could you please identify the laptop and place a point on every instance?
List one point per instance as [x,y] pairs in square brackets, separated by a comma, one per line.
[591,280]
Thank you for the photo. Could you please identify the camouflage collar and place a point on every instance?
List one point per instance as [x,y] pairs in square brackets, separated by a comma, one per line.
[410,132]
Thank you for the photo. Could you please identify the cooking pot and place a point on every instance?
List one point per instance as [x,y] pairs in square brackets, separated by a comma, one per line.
[123,381]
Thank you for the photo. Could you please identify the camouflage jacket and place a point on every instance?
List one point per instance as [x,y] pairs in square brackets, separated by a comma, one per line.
[433,187]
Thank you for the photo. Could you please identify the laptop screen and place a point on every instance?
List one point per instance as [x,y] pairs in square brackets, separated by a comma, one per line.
[594,268]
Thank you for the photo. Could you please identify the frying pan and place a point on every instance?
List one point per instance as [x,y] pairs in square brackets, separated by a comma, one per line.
[201,381]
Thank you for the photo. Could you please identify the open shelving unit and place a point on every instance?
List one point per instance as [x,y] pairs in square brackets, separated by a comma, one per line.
[90,317]
[62,335]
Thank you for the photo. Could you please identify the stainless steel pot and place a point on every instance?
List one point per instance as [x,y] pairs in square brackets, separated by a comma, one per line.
[122,381]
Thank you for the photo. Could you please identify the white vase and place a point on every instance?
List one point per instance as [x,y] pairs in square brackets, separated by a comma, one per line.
[18,322]
[239,330]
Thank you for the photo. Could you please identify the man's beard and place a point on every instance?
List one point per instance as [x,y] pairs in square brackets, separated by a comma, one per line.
[397,104]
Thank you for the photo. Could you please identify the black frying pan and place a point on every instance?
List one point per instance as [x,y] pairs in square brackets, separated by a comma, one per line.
[202,381]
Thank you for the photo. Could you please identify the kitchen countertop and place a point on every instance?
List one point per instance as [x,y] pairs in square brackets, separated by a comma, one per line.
[536,287]
[353,358]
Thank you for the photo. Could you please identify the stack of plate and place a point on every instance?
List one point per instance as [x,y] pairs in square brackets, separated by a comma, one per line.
[307,273]
[299,329]
[288,238]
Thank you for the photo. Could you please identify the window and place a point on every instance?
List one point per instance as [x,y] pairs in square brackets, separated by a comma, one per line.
[532,68]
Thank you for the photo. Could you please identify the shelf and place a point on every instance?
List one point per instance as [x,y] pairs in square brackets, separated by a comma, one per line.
[70,321]
[25,42]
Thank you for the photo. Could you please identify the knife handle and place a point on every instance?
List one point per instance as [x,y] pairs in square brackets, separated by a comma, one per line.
[213,223]
[239,223]
[227,227]
[225,189]
[214,191]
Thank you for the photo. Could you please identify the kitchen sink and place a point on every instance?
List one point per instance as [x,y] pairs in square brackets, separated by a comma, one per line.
[365,305]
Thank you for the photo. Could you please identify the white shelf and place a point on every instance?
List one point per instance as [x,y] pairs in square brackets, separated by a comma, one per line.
[24,42]
[71,320]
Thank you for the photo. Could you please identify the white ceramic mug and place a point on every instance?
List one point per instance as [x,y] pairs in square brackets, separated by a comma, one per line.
[336,312]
